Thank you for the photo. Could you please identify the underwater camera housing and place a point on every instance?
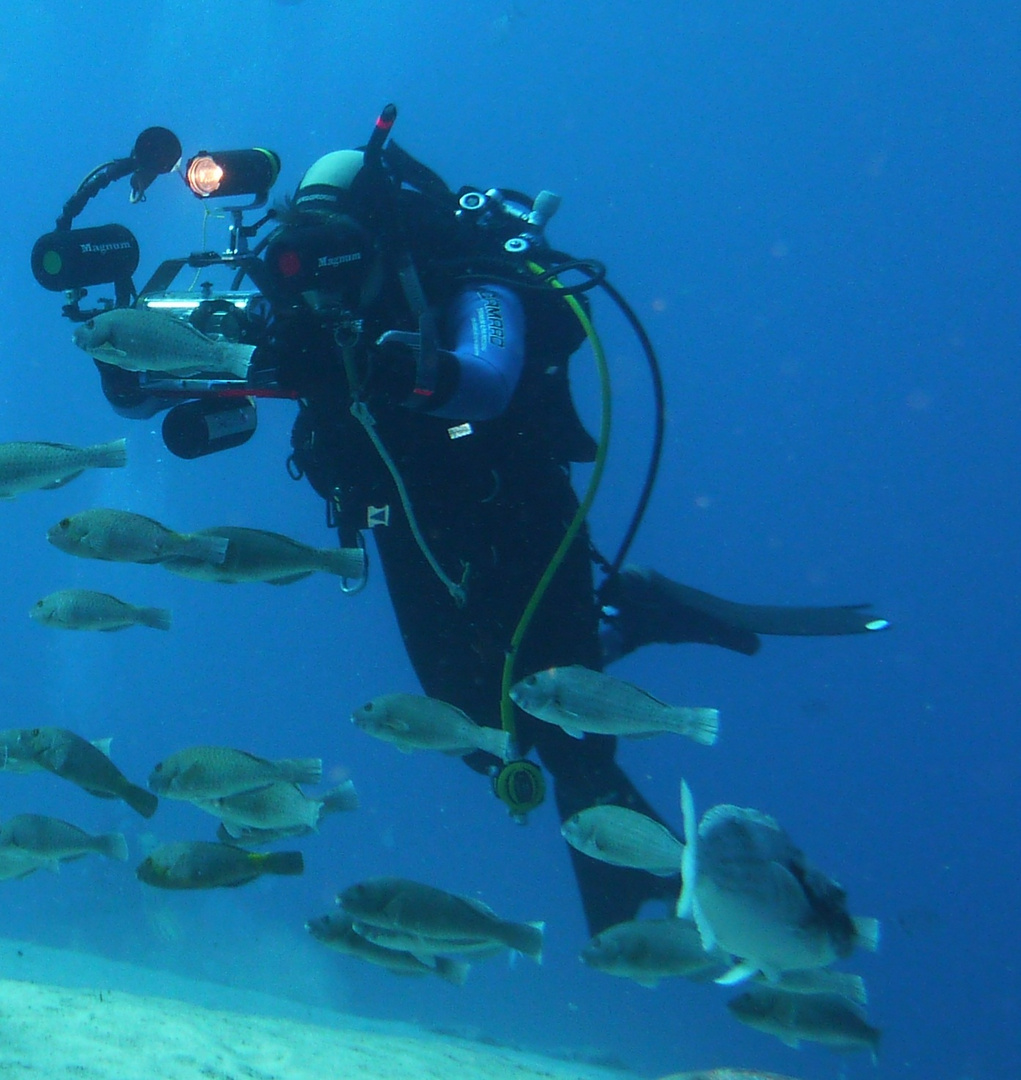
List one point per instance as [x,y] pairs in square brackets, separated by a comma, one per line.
[204,414]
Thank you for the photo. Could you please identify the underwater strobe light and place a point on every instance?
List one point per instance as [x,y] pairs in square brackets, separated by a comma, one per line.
[224,173]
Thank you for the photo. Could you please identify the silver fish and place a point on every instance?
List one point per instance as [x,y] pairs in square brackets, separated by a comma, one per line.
[197,864]
[278,806]
[72,758]
[215,772]
[336,931]
[257,555]
[580,700]
[427,912]
[623,837]
[36,466]
[50,841]
[121,536]
[755,895]
[649,950]
[823,1018]
[413,722]
[84,609]
[427,947]
[138,339]
[18,751]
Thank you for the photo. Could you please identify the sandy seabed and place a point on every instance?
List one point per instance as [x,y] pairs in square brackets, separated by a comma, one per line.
[90,1033]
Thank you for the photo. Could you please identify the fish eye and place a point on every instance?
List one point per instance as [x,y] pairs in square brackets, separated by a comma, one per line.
[35,732]
[63,523]
[159,767]
[531,680]
[367,707]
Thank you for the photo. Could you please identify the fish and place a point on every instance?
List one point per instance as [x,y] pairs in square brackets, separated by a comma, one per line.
[121,536]
[413,722]
[650,950]
[201,864]
[823,1018]
[278,806]
[580,700]
[80,762]
[623,837]
[15,863]
[84,609]
[426,947]
[48,841]
[819,981]
[336,931]
[17,753]
[258,555]
[426,912]
[753,893]
[139,339]
[247,836]
[215,772]
[44,466]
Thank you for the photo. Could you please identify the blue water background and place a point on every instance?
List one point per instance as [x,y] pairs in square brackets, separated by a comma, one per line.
[814,209]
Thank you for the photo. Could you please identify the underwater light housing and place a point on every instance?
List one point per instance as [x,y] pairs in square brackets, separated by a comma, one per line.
[225,173]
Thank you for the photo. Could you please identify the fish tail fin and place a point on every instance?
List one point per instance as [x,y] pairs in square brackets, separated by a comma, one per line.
[342,797]
[141,801]
[526,938]
[689,859]
[114,846]
[866,931]
[344,562]
[156,617]
[495,741]
[453,971]
[109,455]
[280,862]
[209,549]
[850,986]
[301,770]
[701,725]
[238,358]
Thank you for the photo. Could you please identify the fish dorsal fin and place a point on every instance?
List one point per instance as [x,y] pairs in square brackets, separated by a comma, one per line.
[103,745]
[645,694]
[727,812]
[481,907]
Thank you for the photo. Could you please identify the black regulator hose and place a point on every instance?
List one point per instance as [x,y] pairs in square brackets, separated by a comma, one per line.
[659,423]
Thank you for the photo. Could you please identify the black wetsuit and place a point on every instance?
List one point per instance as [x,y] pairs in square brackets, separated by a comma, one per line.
[493,506]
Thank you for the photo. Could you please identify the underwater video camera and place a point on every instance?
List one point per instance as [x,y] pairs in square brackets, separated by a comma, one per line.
[205,414]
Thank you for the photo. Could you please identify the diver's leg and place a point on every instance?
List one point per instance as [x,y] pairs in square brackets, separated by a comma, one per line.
[585,774]
[641,606]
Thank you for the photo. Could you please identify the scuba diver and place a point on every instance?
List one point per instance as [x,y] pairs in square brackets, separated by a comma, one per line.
[426,338]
